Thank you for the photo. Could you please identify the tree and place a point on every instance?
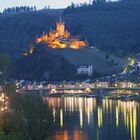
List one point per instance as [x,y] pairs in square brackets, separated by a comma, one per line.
[34,8]
[72,5]
[112,61]
[33,117]
[107,56]
[4,64]
[20,9]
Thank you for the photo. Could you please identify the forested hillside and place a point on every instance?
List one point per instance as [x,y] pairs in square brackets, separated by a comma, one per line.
[18,31]
[44,64]
[112,27]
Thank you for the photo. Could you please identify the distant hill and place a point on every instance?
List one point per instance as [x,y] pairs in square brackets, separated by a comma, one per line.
[111,27]
[18,31]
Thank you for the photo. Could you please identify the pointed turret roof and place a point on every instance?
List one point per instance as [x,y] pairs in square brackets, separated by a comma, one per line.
[60,19]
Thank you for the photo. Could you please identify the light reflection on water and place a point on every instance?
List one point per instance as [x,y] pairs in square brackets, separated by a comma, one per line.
[94,119]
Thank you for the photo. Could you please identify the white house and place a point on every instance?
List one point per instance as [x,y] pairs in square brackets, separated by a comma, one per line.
[85,69]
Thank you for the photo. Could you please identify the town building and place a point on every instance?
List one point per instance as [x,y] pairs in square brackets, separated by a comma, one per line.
[102,85]
[85,69]
[125,84]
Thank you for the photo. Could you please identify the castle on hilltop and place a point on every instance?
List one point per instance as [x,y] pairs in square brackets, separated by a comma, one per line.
[60,29]
[59,38]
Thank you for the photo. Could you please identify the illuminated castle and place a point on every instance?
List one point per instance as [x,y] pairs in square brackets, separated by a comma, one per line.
[59,38]
[60,27]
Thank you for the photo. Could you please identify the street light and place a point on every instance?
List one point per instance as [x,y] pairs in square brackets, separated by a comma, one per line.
[3,94]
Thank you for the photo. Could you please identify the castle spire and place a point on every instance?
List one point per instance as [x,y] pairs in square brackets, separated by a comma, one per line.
[60,19]
[51,29]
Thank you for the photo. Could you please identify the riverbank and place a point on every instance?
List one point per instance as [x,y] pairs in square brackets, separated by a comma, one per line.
[113,96]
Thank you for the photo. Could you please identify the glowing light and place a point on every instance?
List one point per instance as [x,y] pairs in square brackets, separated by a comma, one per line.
[81,118]
[134,123]
[81,111]
[77,135]
[86,107]
[2,109]
[88,90]
[59,38]
[53,91]
[61,118]
[117,117]
[131,63]
[2,96]
[100,117]
[54,116]
[4,102]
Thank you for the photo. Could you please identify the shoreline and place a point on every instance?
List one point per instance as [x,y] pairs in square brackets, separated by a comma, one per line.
[122,97]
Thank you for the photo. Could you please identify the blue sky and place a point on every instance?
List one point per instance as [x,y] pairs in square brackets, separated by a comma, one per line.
[38,3]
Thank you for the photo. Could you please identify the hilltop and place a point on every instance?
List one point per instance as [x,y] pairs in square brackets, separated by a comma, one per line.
[111,27]
[112,30]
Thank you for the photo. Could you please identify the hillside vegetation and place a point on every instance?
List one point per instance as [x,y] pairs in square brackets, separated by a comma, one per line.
[44,64]
[113,28]
[18,31]
[60,64]
[103,63]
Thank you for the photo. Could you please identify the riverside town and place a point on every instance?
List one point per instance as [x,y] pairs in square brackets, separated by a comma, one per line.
[70,70]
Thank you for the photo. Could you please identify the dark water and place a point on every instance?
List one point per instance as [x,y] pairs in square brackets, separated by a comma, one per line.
[95,119]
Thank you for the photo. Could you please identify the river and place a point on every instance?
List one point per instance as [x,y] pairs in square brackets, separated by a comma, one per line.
[78,118]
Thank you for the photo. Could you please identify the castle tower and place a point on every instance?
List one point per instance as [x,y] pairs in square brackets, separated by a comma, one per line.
[60,27]
[66,34]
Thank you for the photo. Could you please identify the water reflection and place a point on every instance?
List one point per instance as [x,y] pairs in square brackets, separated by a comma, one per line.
[61,118]
[94,118]
[77,135]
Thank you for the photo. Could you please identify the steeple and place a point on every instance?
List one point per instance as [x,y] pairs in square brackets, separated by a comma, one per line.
[60,27]
[60,19]
[50,29]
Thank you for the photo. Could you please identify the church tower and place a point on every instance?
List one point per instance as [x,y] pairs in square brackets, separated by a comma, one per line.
[60,27]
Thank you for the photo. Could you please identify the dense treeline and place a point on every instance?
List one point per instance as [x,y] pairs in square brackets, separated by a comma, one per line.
[18,32]
[103,6]
[28,118]
[85,4]
[94,3]
[45,64]
[112,27]
[21,9]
